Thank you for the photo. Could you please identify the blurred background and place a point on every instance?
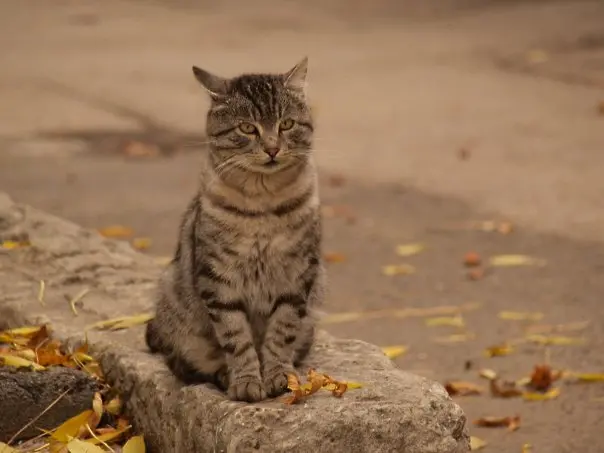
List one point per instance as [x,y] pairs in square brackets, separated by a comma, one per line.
[464,126]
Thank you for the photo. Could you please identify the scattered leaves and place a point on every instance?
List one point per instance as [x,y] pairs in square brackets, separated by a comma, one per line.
[334,257]
[471,259]
[542,378]
[511,423]
[455,338]
[11,245]
[393,352]
[316,381]
[116,231]
[555,340]
[589,377]
[135,444]
[19,362]
[514,261]
[476,443]
[520,316]
[79,446]
[406,250]
[488,374]
[504,390]
[4,448]
[499,350]
[462,388]
[398,269]
[123,322]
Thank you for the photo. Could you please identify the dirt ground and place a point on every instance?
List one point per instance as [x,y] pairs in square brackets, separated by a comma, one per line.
[431,115]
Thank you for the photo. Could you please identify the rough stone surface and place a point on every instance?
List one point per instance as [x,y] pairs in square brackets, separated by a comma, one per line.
[26,394]
[394,411]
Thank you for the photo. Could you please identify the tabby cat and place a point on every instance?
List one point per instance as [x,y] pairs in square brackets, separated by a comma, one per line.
[236,306]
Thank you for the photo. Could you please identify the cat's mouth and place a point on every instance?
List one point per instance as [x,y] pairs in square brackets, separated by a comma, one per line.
[271,163]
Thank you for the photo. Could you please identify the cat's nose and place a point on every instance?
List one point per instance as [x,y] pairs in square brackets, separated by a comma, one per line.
[272,152]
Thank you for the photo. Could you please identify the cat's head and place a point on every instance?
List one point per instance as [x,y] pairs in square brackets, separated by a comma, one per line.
[258,122]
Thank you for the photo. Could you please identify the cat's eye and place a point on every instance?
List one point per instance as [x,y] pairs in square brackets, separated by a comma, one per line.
[247,128]
[286,124]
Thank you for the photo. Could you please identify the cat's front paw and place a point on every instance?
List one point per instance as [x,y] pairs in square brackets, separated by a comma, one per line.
[275,381]
[247,389]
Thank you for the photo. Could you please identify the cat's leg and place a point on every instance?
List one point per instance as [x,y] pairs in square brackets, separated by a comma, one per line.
[234,335]
[282,333]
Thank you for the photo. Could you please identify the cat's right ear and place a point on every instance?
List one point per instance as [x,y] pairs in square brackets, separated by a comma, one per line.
[216,86]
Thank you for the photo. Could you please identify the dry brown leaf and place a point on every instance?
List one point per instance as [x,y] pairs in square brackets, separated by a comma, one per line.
[462,388]
[499,350]
[398,269]
[336,180]
[471,259]
[504,390]
[512,423]
[116,231]
[551,394]
[542,378]
[406,250]
[316,381]
[341,211]
[334,257]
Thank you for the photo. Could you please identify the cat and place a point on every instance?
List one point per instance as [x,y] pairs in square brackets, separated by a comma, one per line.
[237,305]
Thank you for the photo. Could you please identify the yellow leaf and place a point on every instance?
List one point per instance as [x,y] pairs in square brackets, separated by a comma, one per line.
[4,448]
[499,350]
[409,249]
[162,260]
[135,444]
[556,341]
[116,231]
[549,395]
[27,332]
[515,260]
[79,446]
[488,374]
[455,338]
[114,407]
[398,269]
[527,448]
[141,243]
[394,351]
[19,362]
[71,427]
[519,316]
[123,322]
[10,245]
[108,437]
[477,443]
[590,377]
[453,321]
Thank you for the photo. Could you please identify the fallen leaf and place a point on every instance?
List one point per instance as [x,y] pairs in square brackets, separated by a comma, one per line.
[5,448]
[512,423]
[488,374]
[11,245]
[107,435]
[26,332]
[514,260]
[477,443]
[72,427]
[454,321]
[589,377]
[141,243]
[555,340]
[393,352]
[316,381]
[527,448]
[548,328]
[520,316]
[549,395]
[471,259]
[505,390]
[409,249]
[116,231]
[135,444]
[542,378]
[498,350]
[79,446]
[398,269]
[135,148]
[455,338]
[19,362]
[462,388]
[475,274]
[41,292]
[39,338]
[505,228]
[334,257]
[162,260]
[123,322]
[114,407]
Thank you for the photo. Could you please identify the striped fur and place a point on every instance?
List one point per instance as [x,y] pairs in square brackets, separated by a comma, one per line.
[236,307]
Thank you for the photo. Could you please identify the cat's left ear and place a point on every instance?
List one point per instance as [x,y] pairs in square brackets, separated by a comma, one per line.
[215,85]
[295,78]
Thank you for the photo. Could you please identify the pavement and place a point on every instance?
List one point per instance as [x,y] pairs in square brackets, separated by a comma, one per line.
[430,115]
